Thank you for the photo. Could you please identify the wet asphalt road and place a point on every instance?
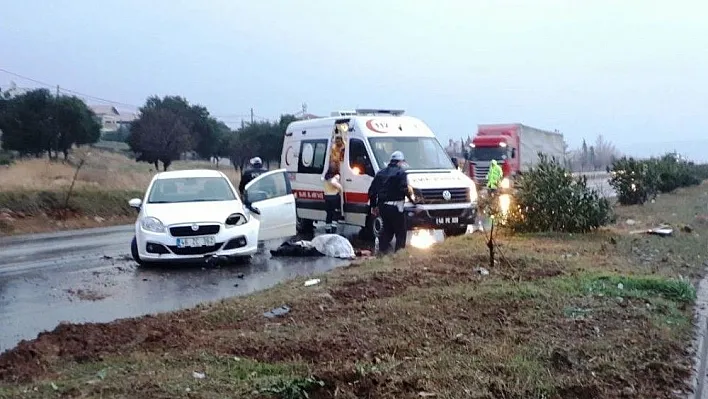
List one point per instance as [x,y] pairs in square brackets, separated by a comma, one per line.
[88,276]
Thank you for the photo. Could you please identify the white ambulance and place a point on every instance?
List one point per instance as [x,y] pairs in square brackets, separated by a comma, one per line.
[361,143]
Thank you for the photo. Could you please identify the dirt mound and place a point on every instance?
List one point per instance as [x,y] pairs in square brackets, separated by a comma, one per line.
[86,342]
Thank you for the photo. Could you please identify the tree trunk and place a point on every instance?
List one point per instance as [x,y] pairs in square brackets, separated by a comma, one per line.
[157,166]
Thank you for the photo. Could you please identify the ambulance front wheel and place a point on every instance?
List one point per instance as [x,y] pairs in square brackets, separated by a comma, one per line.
[377,226]
[305,226]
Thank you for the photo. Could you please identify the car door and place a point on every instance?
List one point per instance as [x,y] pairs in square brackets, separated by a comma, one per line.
[272,195]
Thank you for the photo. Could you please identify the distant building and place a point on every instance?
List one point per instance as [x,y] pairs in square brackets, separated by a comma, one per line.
[111,119]
[14,90]
[454,148]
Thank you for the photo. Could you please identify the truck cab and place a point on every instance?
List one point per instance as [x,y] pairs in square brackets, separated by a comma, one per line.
[514,146]
[358,144]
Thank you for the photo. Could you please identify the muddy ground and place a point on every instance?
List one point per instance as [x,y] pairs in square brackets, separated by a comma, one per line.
[604,315]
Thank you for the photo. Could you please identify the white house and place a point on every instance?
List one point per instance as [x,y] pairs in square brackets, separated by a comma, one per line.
[111,118]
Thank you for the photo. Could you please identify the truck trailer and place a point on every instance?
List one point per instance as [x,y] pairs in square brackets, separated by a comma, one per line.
[514,146]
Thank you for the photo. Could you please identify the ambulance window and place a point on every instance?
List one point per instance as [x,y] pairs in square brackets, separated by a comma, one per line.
[312,156]
[359,158]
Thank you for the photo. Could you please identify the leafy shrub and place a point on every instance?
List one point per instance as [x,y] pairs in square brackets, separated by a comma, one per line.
[548,198]
[700,170]
[634,181]
[674,173]
[6,158]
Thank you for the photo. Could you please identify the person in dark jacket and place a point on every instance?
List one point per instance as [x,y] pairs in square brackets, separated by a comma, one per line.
[387,195]
[254,170]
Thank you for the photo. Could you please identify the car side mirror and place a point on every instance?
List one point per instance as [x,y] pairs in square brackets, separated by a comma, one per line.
[253,209]
[455,162]
[135,203]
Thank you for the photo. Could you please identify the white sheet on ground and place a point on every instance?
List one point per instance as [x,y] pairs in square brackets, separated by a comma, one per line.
[334,245]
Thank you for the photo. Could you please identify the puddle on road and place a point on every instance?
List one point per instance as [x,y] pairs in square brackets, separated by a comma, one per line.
[115,288]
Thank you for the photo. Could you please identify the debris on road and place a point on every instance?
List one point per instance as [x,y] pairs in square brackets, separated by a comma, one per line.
[86,294]
[312,282]
[198,375]
[332,245]
[630,222]
[240,275]
[280,311]
[482,271]
[663,231]
[296,248]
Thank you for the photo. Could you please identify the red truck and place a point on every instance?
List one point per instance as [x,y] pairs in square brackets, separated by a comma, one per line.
[514,146]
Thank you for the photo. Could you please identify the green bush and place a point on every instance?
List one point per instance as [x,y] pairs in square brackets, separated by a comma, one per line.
[549,199]
[674,173]
[6,158]
[634,181]
[700,170]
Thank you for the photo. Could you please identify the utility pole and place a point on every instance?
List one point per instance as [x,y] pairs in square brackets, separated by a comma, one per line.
[304,109]
[251,116]
[57,90]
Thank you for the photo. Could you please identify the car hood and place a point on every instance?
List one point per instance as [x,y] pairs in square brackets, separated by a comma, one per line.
[193,212]
[436,179]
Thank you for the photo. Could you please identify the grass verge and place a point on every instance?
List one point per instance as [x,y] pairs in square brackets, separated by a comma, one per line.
[32,191]
[41,211]
[603,315]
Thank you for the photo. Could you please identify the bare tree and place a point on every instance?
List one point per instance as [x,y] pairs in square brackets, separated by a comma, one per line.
[605,152]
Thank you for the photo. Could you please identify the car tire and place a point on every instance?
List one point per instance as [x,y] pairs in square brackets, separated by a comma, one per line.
[305,226]
[376,226]
[134,252]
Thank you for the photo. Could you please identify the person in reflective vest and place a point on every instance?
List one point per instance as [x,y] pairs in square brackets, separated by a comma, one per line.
[494,176]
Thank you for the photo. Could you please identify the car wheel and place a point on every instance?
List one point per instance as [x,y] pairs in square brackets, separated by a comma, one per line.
[305,226]
[377,226]
[134,252]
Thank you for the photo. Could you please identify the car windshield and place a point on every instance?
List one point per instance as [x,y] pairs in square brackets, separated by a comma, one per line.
[420,152]
[191,189]
[487,153]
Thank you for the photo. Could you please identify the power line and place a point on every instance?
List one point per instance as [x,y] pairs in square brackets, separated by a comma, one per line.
[67,90]
[250,116]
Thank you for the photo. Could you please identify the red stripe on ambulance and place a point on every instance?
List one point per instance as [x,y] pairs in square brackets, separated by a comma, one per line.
[356,198]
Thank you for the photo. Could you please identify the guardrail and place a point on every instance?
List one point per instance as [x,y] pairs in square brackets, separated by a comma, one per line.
[594,175]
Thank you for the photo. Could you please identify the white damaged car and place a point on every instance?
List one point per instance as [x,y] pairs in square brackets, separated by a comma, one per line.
[192,215]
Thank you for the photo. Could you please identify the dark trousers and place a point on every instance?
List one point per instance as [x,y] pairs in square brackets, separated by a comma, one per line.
[394,224]
[333,207]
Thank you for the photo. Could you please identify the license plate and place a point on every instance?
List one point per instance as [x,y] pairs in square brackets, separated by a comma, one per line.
[194,242]
[451,220]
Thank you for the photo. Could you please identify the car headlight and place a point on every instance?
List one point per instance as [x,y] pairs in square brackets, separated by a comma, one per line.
[236,219]
[473,192]
[505,183]
[152,224]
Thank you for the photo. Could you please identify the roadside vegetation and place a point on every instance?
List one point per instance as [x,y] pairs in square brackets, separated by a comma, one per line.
[34,190]
[606,314]
[637,181]
[101,176]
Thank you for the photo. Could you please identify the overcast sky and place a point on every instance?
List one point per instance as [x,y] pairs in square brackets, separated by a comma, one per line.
[633,70]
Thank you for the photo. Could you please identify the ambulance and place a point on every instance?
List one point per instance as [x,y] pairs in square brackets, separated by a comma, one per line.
[360,143]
